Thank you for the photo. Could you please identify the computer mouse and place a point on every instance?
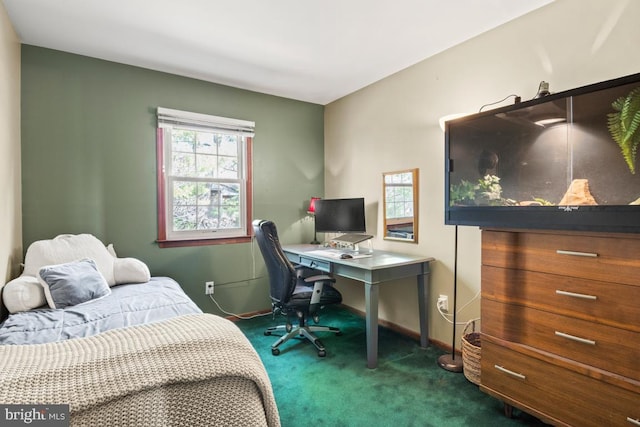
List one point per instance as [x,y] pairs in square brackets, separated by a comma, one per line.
[346,256]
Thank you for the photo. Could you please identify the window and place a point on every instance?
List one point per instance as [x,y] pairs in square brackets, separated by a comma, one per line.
[204,179]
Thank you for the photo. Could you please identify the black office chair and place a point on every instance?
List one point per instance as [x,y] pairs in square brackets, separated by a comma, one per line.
[299,292]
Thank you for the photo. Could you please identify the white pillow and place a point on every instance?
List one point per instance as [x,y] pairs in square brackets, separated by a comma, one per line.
[23,294]
[130,270]
[67,248]
[27,293]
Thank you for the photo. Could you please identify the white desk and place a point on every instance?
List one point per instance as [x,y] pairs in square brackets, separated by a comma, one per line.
[380,267]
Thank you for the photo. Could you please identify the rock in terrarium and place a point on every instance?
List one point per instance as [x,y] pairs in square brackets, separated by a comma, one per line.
[578,194]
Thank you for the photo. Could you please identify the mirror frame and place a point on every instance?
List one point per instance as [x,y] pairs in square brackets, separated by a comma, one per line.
[414,173]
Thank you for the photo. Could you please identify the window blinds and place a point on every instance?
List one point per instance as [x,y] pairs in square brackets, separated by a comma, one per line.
[168,117]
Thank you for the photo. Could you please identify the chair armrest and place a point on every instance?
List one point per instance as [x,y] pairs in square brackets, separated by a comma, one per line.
[319,278]
[302,271]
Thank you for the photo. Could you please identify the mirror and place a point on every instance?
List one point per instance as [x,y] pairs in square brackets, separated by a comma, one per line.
[400,197]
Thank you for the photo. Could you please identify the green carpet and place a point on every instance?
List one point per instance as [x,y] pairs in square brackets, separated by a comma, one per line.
[407,388]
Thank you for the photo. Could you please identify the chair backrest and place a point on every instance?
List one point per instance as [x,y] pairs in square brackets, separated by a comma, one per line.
[282,275]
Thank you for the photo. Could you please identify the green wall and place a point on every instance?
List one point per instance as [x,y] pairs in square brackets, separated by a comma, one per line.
[89,166]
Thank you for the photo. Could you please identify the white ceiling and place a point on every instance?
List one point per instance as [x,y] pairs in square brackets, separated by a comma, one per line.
[310,50]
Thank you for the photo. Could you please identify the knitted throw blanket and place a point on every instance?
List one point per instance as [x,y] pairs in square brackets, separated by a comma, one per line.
[86,372]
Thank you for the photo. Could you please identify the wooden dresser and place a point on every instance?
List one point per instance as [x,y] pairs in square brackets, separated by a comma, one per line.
[561,325]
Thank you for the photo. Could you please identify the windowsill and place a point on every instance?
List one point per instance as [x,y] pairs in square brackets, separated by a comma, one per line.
[202,242]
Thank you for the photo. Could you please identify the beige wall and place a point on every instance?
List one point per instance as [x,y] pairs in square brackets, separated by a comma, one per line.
[393,125]
[10,206]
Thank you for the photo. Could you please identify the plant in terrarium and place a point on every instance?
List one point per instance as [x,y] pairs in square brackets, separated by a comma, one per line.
[463,193]
[543,202]
[624,125]
[490,190]
[486,191]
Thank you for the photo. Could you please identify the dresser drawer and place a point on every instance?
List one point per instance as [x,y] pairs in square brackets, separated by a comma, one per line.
[601,302]
[601,346]
[595,257]
[553,392]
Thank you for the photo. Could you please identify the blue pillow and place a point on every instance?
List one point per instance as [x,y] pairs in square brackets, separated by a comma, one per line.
[72,283]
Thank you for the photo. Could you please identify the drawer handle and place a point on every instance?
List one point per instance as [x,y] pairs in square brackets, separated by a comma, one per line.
[507,371]
[574,253]
[634,421]
[574,338]
[575,295]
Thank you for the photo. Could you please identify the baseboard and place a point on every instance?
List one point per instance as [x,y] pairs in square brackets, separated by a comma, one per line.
[401,330]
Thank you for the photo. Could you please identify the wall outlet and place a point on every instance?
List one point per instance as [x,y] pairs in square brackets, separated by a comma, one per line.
[208,288]
[443,303]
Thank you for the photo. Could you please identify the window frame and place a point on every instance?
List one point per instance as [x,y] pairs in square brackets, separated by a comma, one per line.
[164,214]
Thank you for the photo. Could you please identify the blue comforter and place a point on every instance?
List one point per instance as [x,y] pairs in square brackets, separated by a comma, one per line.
[130,304]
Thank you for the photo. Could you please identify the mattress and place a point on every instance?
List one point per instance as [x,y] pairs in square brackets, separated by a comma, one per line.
[128,305]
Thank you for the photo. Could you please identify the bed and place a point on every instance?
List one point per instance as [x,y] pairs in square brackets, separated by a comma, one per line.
[123,348]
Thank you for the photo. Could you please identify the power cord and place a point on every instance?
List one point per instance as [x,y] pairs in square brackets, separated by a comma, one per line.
[444,315]
[253,266]
[517,100]
[237,315]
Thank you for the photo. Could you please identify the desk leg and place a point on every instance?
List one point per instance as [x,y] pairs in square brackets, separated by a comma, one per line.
[423,309]
[371,308]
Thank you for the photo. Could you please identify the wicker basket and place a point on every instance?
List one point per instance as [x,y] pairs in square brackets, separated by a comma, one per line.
[471,352]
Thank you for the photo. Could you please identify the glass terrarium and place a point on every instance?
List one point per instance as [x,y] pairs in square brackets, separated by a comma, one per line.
[565,161]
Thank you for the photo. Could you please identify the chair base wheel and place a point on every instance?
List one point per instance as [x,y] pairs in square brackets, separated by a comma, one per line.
[303,332]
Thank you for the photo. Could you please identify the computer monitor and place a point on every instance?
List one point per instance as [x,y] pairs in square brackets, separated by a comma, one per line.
[340,215]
